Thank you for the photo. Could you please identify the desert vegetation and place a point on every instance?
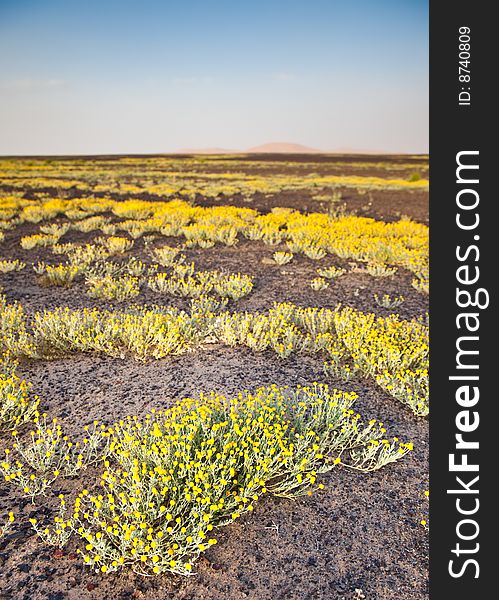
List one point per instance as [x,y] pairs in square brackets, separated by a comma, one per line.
[285,301]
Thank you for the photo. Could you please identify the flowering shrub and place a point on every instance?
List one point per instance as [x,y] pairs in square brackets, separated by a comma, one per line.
[28,242]
[380,270]
[403,243]
[421,285]
[48,454]
[57,275]
[282,258]
[390,350]
[7,526]
[115,244]
[165,256]
[113,288]
[171,478]
[386,301]
[16,404]
[318,284]
[187,282]
[6,266]
[331,272]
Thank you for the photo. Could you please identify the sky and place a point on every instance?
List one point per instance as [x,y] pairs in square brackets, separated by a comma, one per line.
[140,76]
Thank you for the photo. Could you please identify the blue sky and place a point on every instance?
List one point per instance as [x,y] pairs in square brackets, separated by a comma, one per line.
[155,76]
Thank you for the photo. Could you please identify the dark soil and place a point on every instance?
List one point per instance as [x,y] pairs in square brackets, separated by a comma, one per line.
[362,532]
[383,205]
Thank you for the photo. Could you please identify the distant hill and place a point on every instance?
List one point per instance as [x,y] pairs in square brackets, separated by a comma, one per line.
[283,148]
[270,148]
[278,148]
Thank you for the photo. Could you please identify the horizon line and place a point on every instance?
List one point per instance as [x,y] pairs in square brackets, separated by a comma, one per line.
[231,153]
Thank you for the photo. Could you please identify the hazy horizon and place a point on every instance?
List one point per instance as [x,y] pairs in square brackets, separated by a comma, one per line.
[157,77]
